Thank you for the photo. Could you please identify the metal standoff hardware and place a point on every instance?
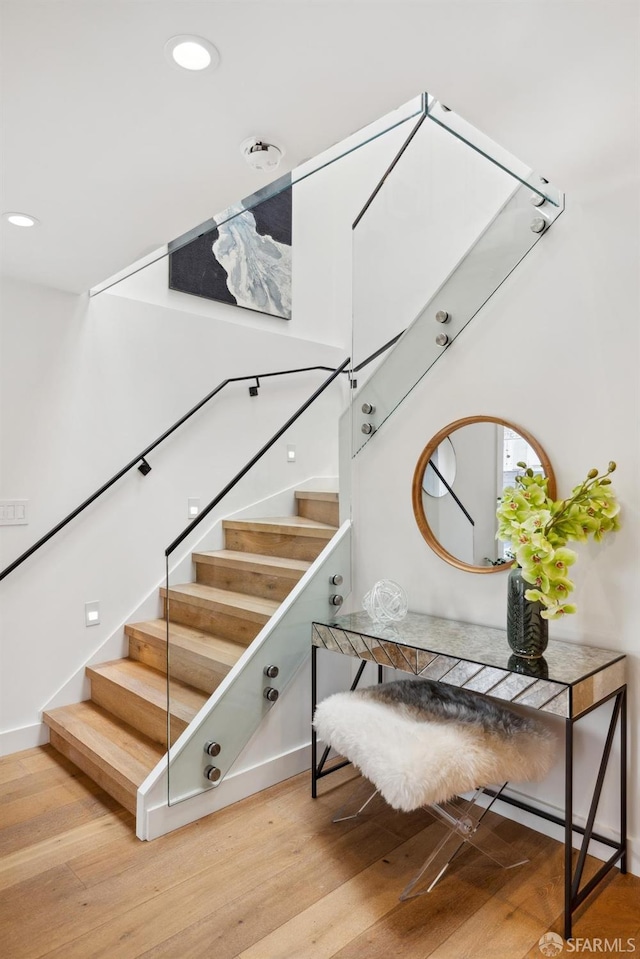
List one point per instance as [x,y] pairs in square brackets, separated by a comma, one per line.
[271,694]
[367,428]
[538,224]
[537,200]
[212,749]
[368,408]
[271,671]
[442,316]
[336,599]
[442,339]
[336,579]
[212,773]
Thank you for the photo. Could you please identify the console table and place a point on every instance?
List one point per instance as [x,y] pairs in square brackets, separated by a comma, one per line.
[570,681]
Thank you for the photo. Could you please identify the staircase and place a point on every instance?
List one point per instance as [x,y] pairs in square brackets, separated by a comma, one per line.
[118,736]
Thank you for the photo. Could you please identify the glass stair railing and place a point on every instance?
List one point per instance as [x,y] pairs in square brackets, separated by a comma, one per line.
[448,223]
[238,602]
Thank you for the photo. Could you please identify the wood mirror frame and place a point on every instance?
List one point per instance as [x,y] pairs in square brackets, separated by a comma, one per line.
[418,478]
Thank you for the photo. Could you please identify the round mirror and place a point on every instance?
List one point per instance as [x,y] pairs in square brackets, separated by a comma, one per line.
[458,482]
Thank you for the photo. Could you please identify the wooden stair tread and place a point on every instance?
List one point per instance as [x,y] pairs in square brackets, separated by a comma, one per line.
[326,496]
[118,737]
[278,565]
[151,685]
[289,525]
[118,749]
[243,605]
[218,648]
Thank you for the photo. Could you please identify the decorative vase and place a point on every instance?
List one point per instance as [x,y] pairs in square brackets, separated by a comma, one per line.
[529,667]
[527,631]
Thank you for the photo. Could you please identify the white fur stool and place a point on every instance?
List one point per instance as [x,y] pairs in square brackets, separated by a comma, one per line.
[422,743]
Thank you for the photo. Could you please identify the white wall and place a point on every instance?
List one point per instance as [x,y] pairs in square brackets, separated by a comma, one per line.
[543,355]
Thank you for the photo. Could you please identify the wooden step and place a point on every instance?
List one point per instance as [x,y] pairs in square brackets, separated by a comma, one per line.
[222,612]
[197,658]
[272,577]
[137,694]
[109,751]
[295,537]
[321,505]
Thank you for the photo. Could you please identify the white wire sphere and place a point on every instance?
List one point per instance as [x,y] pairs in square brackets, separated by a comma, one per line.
[386,602]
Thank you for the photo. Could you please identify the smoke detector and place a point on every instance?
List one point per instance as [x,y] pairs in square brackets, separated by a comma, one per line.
[260,155]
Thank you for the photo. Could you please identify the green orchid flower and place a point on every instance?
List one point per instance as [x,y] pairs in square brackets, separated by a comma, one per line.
[538,529]
[562,558]
[557,610]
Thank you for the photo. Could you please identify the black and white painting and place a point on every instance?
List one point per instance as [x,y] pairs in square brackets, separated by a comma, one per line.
[245,261]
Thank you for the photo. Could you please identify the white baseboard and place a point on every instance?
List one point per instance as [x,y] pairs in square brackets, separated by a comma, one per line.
[27,737]
[163,819]
[152,823]
[597,849]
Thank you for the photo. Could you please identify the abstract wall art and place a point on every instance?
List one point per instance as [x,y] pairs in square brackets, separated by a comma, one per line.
[245,260]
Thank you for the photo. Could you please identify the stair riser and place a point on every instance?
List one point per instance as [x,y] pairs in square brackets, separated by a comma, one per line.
[212,621]
[266,585]
[319,510]
[185,665]
[275,544]
[120,793]
[135,710]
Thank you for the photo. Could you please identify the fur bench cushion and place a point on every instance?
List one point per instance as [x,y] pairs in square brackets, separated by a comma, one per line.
[421,742]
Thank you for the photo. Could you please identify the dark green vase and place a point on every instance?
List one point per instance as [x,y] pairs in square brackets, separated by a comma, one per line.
[527,631]
[529,667]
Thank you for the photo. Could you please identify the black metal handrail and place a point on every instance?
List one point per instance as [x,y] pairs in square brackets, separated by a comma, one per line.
[236,479]
[140,458]
[254,459]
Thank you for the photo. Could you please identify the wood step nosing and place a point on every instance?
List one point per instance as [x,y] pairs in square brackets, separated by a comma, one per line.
[152,698]
[316,531]
[71,728]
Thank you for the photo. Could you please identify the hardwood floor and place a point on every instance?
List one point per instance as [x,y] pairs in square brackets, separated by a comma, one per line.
[268,878]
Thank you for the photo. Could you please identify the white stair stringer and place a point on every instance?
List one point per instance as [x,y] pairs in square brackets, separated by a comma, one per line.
[176,791]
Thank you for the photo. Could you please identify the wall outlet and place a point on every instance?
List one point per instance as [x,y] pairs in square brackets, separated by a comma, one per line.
[13,512]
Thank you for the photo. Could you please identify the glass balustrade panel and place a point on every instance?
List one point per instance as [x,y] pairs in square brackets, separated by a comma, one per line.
[220,228]
[245,584]
[445,228]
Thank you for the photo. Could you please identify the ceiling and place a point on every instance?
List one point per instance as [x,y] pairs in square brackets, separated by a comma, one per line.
[116,151]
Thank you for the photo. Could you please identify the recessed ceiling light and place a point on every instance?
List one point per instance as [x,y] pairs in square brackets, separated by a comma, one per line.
[192,53]
[20,219]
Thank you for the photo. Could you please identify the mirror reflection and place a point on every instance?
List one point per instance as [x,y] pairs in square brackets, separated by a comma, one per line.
[441,470]
[458,481]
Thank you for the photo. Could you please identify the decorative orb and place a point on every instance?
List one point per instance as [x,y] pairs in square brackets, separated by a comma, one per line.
[386,602]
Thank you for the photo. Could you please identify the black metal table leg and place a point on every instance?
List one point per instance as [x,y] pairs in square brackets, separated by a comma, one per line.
[317,768]
[568,825]
[574,895]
